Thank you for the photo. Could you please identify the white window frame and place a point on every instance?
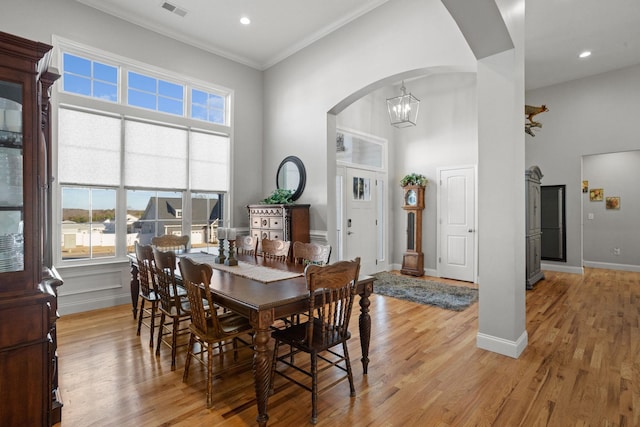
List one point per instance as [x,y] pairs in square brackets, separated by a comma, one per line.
[81,102]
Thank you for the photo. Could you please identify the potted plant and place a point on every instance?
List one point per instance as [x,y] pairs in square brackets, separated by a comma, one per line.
[414,179]
[279,197]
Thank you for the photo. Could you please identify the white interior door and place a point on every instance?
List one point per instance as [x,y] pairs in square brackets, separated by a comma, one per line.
[360,221]
[456,222]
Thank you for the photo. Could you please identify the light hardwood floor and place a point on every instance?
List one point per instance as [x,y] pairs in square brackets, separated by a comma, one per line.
[581,368]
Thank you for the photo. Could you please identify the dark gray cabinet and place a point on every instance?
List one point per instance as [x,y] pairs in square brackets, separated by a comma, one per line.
[533,177]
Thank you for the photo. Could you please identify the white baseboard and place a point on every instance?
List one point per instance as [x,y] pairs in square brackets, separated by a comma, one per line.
[611,266]
[561,268]
[68,307]
[502,346]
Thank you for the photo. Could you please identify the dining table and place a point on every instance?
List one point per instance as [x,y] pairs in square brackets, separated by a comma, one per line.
[265,290]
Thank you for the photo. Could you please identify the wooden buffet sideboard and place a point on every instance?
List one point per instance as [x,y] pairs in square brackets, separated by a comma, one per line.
[281,222]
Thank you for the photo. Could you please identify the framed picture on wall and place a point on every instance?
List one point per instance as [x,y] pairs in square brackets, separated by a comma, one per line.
[613,202]
[585,186]
[595,194]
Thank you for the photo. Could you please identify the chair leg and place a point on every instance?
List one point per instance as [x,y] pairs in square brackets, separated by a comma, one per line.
[349,372]
[160,329]
[187,363]
[140,315]
[152,322]
[209,375]
[314,388]
[174,342]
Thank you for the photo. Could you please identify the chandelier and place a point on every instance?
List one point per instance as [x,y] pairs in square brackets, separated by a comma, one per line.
[403,109]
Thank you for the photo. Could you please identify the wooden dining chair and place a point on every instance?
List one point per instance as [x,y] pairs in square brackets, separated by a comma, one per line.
[171,242]
[208,328]
[146,316]
[311,253]
[174,304]
[247,245]
[276,249]
[331,294]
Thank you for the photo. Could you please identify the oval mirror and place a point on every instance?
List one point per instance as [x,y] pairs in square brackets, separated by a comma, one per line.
[291,176]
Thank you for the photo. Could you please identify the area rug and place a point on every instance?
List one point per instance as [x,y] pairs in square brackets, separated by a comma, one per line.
[455,298]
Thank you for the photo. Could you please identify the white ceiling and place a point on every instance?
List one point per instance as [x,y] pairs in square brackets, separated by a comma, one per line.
[556,30]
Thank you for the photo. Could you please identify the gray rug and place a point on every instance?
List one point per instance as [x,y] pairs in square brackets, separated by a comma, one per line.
[455,298]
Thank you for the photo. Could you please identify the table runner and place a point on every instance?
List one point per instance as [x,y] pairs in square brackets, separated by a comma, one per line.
[250,271]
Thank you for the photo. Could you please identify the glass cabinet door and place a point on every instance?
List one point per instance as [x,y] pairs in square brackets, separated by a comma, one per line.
[11,178]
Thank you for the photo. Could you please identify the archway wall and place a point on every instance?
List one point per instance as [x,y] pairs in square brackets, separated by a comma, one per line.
[399,39]
[402,37]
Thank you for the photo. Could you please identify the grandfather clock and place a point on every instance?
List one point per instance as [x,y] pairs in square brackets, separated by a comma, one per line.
[413,258]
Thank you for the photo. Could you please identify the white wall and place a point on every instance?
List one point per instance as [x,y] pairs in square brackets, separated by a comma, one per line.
[605,230]
[300,91]
[445,135]
[593,115]
[91,287]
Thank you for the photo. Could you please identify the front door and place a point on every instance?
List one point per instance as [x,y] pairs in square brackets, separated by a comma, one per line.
[456,223]
[360,227]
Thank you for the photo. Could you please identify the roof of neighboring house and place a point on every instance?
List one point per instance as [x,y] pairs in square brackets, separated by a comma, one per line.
[168,208]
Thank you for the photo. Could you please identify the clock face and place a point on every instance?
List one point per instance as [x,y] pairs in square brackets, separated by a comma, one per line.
[412,198]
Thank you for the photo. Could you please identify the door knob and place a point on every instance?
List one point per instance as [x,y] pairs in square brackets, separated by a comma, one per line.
[349,233]
[471,230]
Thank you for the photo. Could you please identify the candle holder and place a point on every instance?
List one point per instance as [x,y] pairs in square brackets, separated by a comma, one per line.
[220,258]
[231,259]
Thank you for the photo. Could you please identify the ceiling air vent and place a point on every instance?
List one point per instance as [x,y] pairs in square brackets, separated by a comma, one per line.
[175,9]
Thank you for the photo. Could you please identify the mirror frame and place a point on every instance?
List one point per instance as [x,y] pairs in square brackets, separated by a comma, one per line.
[301,171]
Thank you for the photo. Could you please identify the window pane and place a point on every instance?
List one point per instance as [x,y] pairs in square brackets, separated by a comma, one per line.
[151,213]
[216,116]
[88,223]
[216,102]
[206,215]
[104,72]
[142,82]
[170,106]
[141,99]
[198,112]
[170,90]
[75,84]
[76,65]
[105,91]
[199,97]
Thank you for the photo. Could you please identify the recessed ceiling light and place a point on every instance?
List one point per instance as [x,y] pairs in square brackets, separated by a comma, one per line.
[245,20]
[585,54]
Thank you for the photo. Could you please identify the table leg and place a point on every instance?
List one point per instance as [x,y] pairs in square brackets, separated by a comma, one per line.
[135,289]
[262,365]
[365,325]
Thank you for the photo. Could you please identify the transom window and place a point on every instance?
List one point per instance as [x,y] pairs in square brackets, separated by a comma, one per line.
[155,94]
[90,78]
[100,79]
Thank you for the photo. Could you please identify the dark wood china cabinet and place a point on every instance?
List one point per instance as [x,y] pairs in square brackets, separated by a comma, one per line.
[28,282]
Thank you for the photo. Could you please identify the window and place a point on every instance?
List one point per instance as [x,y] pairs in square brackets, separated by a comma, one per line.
[152,213]
[88,223]
[89,78]
[155,94]
[206,215]
[125,179]
[210,107]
